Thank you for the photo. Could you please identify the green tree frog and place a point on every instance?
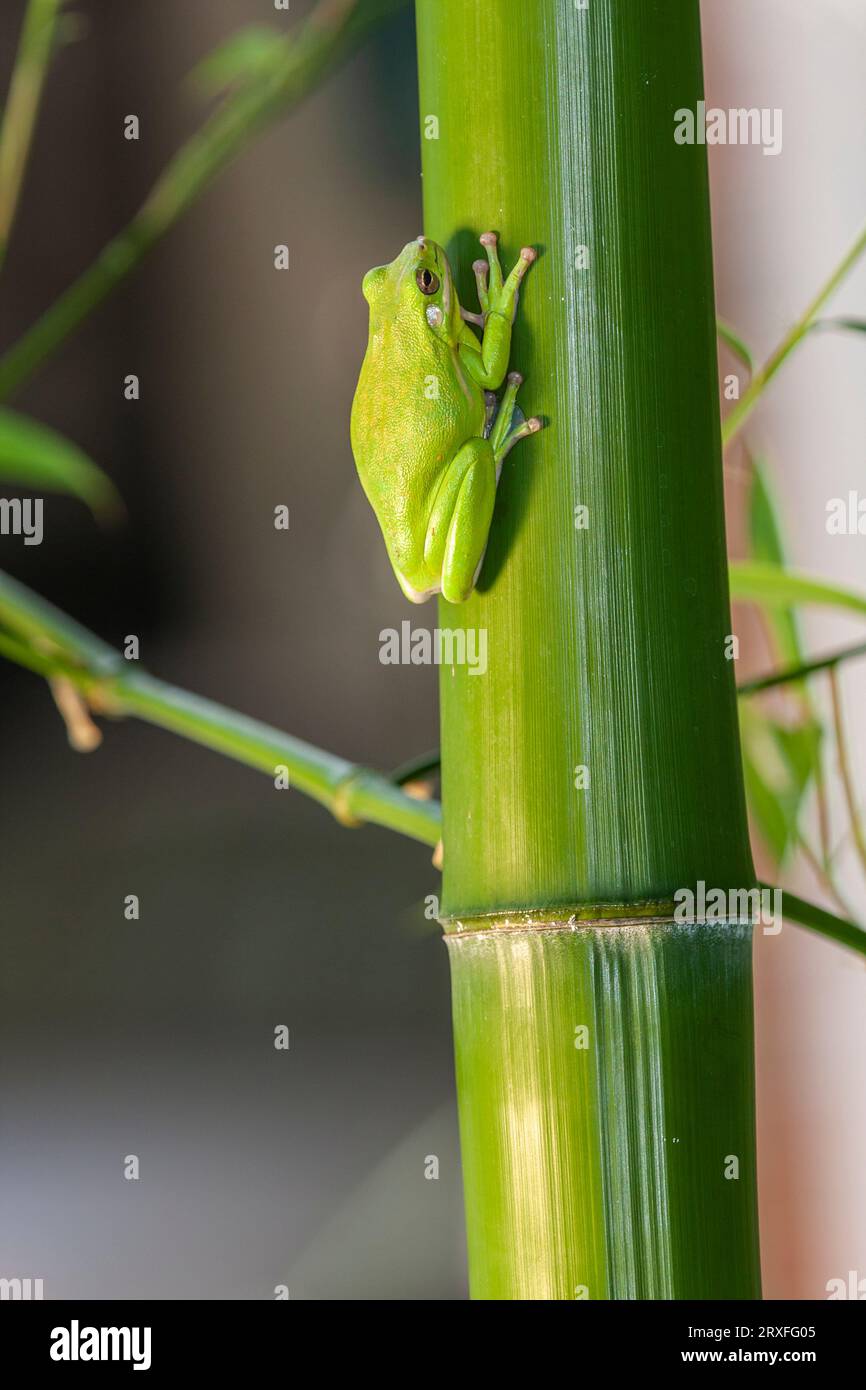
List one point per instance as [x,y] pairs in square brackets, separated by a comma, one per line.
[427,435]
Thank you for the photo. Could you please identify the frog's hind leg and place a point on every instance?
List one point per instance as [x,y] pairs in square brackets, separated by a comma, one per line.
[460,519]
[510,424]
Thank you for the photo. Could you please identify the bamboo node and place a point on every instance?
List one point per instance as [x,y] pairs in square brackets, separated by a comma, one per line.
[340,808]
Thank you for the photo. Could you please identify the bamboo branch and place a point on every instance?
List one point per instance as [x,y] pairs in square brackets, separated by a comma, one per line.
[22,106]
[822,873]
[732,340]
[833,928]
[761,379]
[801,671]
[41,638]
[332,31]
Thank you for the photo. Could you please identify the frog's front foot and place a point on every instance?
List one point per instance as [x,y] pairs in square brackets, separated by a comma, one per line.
[494,295]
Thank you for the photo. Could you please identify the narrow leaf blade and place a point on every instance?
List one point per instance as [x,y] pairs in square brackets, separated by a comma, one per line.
[778,763]
[753,581]
[841,325]
[246,56]
[731,338]
[32,455]
[765,537]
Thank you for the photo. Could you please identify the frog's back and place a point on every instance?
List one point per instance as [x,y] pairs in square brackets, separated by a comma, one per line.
[414,407]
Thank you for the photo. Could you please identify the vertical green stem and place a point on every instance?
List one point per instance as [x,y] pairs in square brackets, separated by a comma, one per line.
[857,830]
[597,761]
[22,104]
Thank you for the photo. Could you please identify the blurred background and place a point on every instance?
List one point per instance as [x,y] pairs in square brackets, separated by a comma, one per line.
[155,1038]
[780,225]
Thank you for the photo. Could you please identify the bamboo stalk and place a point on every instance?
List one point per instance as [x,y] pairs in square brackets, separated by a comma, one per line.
[598,1164]
[606,653]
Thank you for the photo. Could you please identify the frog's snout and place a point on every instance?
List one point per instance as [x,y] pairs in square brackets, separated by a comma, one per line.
[421,244]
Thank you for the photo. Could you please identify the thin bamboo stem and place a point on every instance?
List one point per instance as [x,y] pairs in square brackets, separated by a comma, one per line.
[46,641]
[332,31]
[22,106]
[826,924]
[802,670]
[823,874]
[857,828]
[764,375]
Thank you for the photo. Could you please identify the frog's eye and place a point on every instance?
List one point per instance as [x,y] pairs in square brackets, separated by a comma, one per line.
[427,282]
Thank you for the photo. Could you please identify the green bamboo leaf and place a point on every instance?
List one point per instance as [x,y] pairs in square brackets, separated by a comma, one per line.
[800,751]
[418,769]
[843,325]
[764,530]
[245,57]
[33,455]
[732,339]
[779,763]
[765,806]
[767,547]
[71,28]
[765,536]
[799,748]
[775,587]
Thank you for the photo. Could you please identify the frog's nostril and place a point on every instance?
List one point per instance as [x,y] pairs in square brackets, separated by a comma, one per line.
[422,243]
